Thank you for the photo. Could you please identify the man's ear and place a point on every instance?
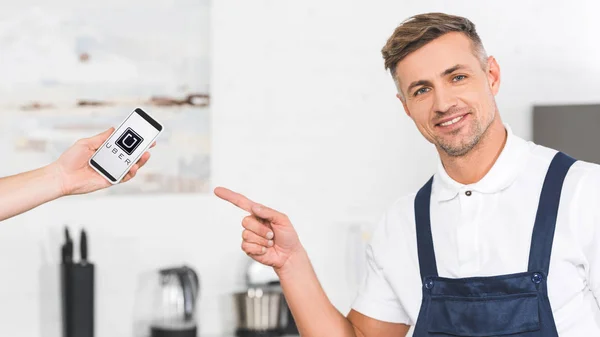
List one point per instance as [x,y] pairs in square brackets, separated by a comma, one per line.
[403,104]
[493,75]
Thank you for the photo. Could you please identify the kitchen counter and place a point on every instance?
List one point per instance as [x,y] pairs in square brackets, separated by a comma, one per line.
[233,335]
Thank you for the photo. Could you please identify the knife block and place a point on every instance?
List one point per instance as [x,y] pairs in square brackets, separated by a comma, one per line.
[77,295]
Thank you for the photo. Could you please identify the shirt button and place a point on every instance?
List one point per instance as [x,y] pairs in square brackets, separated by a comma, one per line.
[468,193]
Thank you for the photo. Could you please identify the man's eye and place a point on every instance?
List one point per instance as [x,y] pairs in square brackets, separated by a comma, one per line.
[421,91]
[459,77]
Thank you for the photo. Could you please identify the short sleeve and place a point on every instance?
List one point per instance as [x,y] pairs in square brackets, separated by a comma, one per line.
[375,297]
[590,236]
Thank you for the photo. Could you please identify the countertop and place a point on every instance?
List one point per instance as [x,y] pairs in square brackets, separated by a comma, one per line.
[233,335]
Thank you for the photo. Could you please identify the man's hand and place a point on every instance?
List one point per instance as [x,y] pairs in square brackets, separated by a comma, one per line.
[269,236]
[313,312]
[75,174]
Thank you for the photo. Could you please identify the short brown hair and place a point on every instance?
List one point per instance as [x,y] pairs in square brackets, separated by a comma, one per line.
[416,31]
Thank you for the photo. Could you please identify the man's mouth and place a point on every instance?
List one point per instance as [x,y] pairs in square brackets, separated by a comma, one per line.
[451,120]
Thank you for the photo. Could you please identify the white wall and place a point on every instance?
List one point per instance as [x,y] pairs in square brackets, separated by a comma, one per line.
[304,120]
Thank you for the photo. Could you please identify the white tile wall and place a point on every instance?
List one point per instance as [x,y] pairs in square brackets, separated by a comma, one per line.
[305,120]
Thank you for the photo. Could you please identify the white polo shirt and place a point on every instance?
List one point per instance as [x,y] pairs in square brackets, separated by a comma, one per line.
[487,232]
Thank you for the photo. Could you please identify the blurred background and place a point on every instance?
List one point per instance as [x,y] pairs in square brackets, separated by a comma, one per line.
[292,108]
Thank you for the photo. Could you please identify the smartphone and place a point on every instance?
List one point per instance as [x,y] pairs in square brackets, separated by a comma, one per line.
[126,145]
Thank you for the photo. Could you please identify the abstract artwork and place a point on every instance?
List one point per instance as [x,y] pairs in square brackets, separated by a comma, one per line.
[70,70]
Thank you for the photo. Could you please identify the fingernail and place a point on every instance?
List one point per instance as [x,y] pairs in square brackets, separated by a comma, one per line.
[270,243]
[264,249]
[269,235]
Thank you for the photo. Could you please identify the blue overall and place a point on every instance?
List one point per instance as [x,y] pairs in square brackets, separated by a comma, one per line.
[505,305]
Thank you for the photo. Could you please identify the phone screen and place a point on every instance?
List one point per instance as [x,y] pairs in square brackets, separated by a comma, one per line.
[126,145]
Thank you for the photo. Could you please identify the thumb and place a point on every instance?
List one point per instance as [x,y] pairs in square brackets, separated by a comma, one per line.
[98,139]
[269,214]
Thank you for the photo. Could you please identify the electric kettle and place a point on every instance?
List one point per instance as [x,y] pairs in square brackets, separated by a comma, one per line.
[169,303]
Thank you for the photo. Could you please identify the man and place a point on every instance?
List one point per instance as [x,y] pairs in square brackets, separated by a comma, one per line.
[68,175]
[502,239]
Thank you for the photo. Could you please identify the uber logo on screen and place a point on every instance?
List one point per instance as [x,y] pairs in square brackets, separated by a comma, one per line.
[129,141]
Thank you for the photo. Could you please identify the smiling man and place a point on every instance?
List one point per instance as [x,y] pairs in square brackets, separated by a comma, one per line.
[502,240]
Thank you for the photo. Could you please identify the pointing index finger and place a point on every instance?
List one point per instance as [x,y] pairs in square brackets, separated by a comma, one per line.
[235,198]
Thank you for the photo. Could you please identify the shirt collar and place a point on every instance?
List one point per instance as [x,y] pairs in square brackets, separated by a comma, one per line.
[501,175]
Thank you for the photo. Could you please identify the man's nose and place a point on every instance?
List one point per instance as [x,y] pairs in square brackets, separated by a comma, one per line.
[444,100]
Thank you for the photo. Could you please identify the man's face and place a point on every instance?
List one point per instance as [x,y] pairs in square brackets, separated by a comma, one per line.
[448,94]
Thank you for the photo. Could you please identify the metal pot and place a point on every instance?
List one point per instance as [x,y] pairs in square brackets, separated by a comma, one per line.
[260,312]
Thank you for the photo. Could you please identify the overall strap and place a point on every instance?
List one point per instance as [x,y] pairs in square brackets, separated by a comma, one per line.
[545,220]
[427,262]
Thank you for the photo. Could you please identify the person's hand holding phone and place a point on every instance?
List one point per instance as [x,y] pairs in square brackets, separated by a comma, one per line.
[70,174]
[268,235]
[77,177]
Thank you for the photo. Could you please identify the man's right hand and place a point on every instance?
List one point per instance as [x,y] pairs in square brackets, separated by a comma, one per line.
[313,312]
[268,235]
